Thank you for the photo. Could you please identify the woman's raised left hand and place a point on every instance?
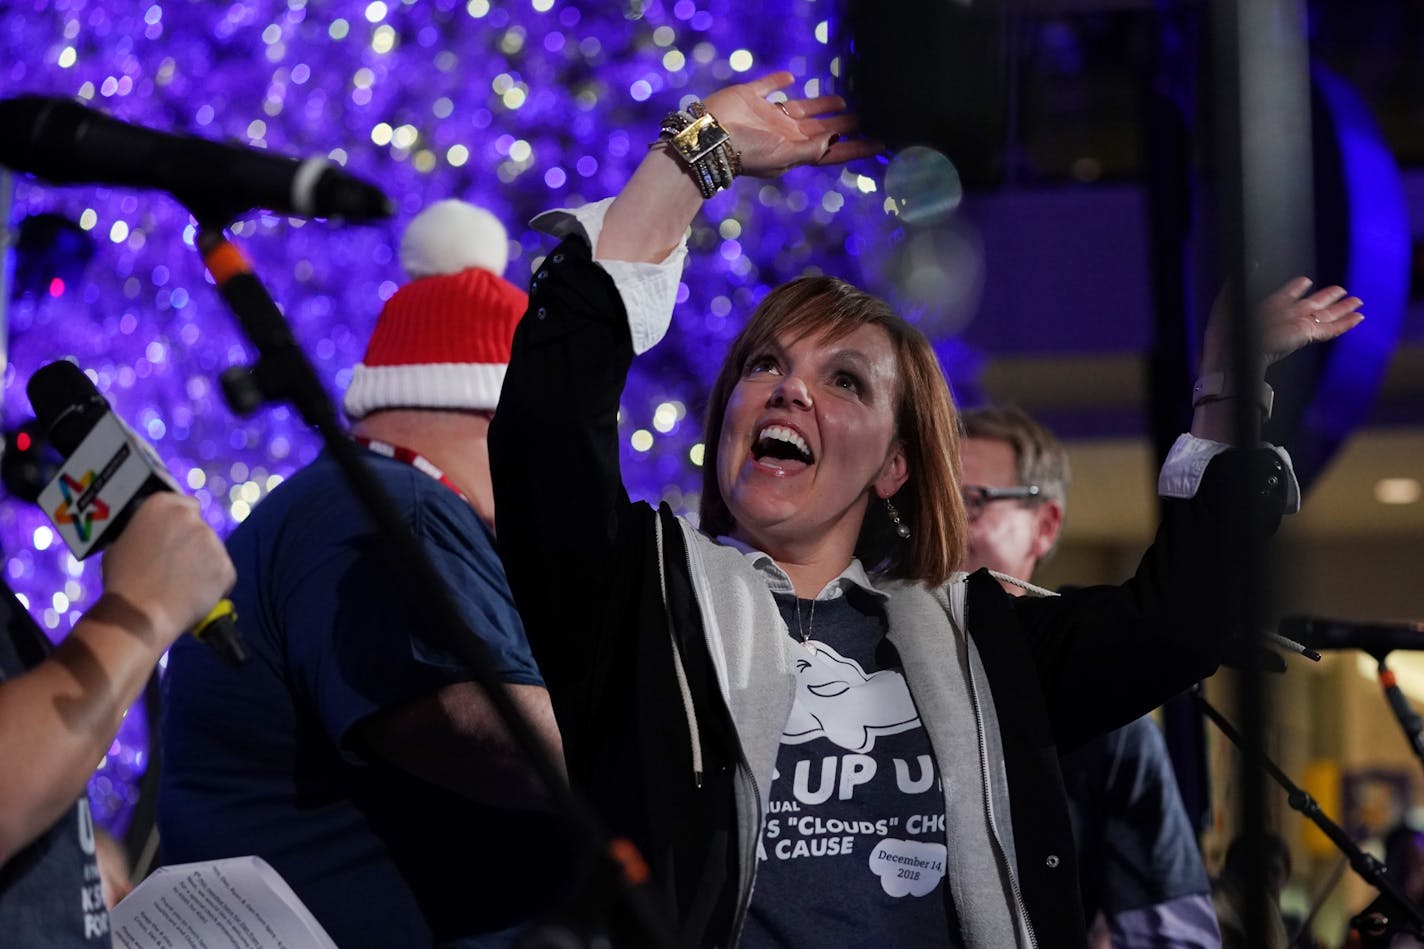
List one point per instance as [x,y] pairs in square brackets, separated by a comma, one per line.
[1289,319]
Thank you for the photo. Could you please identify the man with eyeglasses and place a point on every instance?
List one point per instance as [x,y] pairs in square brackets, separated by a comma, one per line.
[1138,858]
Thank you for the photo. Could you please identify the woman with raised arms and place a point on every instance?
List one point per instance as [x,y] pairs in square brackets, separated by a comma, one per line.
[819,732]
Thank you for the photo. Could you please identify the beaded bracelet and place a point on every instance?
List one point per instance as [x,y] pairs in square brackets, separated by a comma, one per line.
[703,146]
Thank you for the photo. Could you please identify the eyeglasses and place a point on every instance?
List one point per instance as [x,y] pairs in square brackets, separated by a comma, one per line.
[977,497]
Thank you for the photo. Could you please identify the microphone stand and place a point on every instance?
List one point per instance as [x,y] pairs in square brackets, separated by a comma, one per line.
[1393,912]
[1404,713]
[614,868]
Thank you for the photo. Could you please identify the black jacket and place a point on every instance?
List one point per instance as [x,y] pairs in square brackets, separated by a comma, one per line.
[584,566]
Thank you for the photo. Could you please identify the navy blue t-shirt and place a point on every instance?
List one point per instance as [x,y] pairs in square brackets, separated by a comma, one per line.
[1136,845]
[852,853]
[50,894]
[257,759]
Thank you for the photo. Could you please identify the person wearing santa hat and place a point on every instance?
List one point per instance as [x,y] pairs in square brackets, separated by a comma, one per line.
[365,766]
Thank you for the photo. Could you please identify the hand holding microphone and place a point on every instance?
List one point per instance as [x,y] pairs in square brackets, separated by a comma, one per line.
[99,498]
[169,565]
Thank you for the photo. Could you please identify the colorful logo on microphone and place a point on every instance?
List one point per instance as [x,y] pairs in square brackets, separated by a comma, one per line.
[80,508]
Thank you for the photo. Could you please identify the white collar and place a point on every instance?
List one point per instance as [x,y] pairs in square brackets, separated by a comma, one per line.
[779,582]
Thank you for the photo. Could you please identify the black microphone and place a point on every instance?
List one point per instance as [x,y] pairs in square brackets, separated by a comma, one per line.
[1377,639]
[67,143]
[107,473]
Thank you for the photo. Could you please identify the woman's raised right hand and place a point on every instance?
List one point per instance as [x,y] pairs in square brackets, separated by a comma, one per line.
[774,137]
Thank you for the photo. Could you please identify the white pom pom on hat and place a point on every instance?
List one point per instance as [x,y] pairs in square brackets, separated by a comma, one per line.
[442,341]
[451,235]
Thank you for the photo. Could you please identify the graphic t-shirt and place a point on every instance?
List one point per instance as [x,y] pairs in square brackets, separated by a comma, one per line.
[853,849]
[50,894]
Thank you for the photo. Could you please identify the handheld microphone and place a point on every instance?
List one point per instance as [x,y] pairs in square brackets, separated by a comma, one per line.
[107,473]
[1377,639]
[66,143]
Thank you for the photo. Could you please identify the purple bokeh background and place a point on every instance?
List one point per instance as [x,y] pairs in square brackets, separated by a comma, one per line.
[516,106]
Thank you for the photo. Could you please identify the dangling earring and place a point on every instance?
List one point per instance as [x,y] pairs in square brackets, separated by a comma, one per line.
[901,527]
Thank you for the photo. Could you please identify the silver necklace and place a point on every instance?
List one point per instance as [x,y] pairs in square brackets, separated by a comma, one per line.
[810,626]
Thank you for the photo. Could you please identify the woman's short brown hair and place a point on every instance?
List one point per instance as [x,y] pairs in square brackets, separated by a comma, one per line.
[925,422]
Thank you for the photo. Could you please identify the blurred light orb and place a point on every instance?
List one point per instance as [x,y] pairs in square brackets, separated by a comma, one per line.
[938,277]
[924,185]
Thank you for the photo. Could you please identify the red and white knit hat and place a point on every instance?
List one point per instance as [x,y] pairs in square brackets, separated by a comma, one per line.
[442,341]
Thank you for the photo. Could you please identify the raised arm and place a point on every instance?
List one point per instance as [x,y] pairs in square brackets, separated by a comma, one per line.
[1170,625]
[560,506]
[161,576]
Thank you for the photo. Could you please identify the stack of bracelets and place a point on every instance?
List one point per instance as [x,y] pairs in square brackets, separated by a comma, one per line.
[703,145]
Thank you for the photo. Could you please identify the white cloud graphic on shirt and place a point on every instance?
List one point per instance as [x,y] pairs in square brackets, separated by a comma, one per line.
[908,867]
[836,700]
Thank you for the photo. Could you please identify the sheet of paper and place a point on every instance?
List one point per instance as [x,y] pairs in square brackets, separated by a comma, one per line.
[238,903]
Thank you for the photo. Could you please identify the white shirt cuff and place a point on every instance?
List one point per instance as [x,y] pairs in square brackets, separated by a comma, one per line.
[1186,463]
[648,290]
